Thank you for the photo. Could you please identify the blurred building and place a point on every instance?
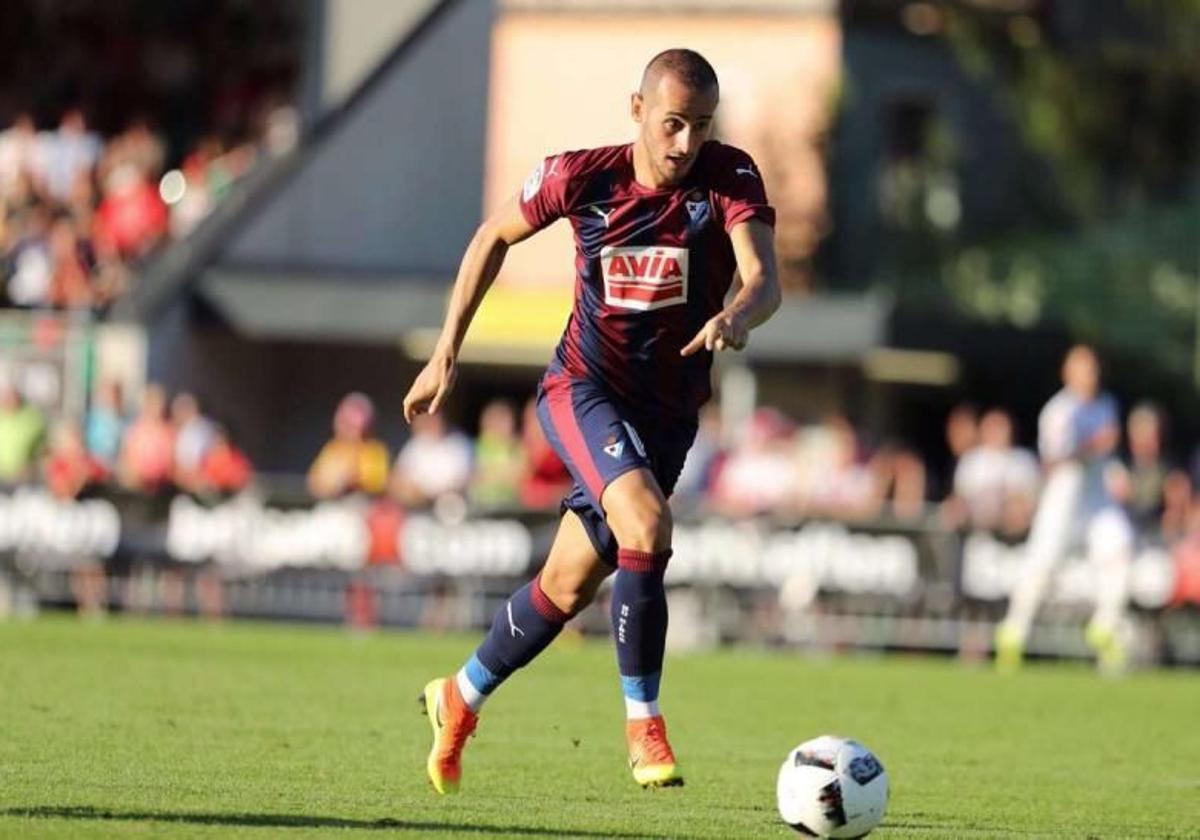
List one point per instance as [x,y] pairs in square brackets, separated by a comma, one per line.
[330,270]
[326,267]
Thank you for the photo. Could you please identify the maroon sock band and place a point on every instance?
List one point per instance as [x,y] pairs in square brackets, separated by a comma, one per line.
[544,606]
[642,561]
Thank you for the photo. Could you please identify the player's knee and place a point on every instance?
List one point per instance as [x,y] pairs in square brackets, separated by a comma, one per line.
[568,591]
[643,525]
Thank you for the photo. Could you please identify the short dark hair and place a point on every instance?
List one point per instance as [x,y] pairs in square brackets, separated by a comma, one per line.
[688,66]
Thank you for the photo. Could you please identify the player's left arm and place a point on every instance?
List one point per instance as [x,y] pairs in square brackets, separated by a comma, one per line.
[755,301]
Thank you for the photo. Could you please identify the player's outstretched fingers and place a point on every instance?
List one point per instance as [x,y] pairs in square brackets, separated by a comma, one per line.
[696,343]
[437,400]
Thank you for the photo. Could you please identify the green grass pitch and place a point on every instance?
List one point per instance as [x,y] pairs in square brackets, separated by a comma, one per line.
[152,728]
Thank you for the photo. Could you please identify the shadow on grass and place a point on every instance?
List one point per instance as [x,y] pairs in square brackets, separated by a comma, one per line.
[87,812]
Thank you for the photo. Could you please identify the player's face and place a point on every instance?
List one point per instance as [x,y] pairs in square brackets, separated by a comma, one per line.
[675,122]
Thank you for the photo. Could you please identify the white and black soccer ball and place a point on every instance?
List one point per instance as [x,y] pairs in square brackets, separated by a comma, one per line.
[832,787]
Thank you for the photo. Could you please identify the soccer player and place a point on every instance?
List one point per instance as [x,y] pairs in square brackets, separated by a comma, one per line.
[661,225]
[1078,431]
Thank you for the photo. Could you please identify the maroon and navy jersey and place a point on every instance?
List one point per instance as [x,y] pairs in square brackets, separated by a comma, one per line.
[651,267]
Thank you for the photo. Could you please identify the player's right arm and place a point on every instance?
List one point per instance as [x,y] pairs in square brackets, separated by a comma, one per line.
[480,264]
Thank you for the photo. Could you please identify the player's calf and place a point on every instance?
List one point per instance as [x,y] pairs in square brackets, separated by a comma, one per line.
[522,628]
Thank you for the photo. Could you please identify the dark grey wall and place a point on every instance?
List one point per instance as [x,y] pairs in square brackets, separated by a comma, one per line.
[397,183]
[278,397]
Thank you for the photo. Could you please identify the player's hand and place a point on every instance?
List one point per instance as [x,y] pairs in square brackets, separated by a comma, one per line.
[431,387]
[724,331]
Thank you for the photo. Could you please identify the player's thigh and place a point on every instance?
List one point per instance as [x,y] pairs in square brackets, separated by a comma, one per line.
[574,569]
[636,510]
[1055,525]
[588,431]
[635,503]
[667,444]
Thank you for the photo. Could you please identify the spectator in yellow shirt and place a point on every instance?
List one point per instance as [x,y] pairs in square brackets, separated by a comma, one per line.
[352,462]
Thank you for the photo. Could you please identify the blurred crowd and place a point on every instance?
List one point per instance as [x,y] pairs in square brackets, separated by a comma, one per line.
[770,466]
[160,447]
[995,483]
[508,465]
[77,210]
[767,465]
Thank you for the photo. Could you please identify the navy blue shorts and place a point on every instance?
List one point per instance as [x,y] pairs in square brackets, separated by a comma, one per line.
[600,439]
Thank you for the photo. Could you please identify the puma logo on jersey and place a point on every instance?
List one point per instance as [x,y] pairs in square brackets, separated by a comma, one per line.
[602,214]
[746,170]
[644,278]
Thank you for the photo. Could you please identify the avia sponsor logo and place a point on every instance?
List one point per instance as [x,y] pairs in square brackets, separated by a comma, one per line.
[644,278]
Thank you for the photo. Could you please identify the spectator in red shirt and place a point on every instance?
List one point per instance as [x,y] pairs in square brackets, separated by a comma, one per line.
[131,218]
[225,469]
[70,272]
[69,469]
[147,454]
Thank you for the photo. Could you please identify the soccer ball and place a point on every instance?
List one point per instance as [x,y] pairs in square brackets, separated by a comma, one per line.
[832,787]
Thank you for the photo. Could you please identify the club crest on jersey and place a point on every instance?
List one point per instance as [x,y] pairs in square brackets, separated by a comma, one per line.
[697,214]
[644,278]
[534,182]
[614,447]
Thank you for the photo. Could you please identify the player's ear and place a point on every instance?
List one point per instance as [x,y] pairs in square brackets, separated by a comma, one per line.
[637,106]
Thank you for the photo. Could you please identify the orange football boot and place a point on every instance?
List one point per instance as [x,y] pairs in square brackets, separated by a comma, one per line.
[453,722]
[650,755]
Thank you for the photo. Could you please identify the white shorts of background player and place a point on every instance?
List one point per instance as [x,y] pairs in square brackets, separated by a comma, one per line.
[1074,509]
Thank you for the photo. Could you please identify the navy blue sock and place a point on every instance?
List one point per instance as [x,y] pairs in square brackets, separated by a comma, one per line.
[522,628]
[639,618]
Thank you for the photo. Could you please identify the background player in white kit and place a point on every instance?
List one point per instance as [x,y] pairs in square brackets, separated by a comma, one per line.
[1078,431]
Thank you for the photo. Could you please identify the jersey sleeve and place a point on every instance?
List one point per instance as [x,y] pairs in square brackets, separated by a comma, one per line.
[545,196]
[740,191]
